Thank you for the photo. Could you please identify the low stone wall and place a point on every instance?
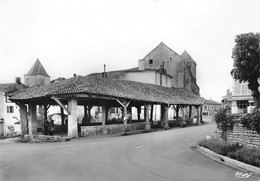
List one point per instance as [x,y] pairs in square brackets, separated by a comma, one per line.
[242,136]
[110,129]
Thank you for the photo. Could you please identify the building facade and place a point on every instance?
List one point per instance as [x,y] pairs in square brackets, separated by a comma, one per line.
[162,66]
[9,111]
[182,67]
[210,107]
[242,100]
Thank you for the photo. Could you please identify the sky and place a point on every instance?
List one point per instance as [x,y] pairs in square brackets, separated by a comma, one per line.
[80,36]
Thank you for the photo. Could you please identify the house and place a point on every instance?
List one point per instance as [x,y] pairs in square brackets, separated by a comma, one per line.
[227,101]
[240,99]
[210,107]
[9,111]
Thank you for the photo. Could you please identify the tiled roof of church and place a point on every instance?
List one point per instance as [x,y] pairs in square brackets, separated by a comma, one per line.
[113,88]
[119,73]
[186,56]
[37,69]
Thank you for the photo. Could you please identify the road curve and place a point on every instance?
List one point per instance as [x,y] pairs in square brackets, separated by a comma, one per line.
[158,156]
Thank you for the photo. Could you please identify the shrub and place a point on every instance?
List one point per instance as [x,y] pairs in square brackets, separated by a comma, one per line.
[247,155]
[235,151]
[251,121]
[220,147]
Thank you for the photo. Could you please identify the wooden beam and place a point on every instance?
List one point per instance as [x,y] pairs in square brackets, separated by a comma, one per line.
[61,104]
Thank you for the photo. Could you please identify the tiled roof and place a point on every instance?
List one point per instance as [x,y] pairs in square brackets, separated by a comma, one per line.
[120,73]
[4,86]
[37,69]
[113,88]
[211,102]
[12,88]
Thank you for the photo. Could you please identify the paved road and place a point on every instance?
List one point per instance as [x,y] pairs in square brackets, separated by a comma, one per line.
[158,156]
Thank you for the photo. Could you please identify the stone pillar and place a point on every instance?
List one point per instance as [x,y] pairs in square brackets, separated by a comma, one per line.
[198,116]
[183,112]
[72,118]
[32,119]
[23,118]
[104,111]
[146,116]
[166,110]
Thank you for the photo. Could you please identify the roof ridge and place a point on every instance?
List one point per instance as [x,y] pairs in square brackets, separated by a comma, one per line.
[163,44]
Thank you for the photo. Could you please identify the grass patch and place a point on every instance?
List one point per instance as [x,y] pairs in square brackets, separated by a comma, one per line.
[235,151]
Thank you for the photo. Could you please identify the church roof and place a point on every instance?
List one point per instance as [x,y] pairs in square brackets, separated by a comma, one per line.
[37,69]
[163,52]
[186,56]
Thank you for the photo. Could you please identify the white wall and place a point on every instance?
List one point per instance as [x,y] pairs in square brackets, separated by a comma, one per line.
[151,77]
[9,118]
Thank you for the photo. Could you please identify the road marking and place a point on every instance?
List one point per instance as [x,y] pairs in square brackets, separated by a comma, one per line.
[243,175]
[139,146]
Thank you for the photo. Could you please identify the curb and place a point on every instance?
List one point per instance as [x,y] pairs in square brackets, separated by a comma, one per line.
[228,161]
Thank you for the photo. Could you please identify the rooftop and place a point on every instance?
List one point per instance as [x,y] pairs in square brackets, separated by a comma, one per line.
[113,88]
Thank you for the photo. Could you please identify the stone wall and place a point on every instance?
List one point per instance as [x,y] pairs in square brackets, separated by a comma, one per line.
[110,129]
[242,136]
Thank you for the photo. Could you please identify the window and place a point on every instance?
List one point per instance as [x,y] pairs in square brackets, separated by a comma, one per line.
[205,107]
[242,104]
[151,61]
[10,109]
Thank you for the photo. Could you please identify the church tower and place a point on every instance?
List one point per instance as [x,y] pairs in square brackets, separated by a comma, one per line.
[37,75]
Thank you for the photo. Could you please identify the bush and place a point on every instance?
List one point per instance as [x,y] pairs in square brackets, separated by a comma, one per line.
[218,146]
[247,155]
[235,151]
[251,121]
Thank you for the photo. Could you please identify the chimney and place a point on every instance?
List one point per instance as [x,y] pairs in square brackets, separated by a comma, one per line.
[104,74]
[74,75]
[18,80]
[228,92]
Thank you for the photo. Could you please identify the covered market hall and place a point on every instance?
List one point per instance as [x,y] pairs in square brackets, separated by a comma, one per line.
[106,93]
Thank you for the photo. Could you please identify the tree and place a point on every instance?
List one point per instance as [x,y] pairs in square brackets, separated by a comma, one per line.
[246,66]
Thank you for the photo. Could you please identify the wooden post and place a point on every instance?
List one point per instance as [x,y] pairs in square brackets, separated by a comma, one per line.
[146,116]
[201,121]
[72,118]
[151,114]
[62,116]
[124,104]
[190,112]
[45,119]
[24,119]
[138,112]
[89,113]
